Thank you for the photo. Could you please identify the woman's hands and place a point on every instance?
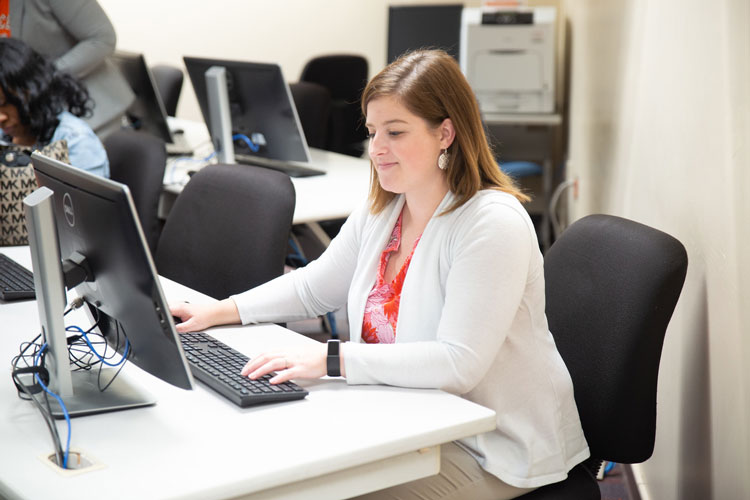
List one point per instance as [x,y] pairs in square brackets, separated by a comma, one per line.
[308,361]
[197,317]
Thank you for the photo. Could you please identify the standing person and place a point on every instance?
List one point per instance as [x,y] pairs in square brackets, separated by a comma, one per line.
[40,105]
[443,279]
[78,36]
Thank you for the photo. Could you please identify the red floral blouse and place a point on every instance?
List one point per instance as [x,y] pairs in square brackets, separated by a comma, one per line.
[381,309]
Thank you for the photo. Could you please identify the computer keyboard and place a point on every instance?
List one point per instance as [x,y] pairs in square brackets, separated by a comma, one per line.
[16,282]
[218,366]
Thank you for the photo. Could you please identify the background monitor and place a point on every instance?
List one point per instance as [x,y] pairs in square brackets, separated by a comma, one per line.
[95,220]
[147,113]
[413,27]
[260,105]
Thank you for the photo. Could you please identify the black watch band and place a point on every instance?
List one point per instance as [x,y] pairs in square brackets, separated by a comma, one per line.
[333,361]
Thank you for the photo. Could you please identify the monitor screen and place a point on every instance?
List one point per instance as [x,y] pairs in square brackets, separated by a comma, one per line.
[147,113]
[95,220]
[260,106]
[413,27]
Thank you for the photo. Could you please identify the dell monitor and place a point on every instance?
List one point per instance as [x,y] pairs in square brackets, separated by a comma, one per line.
[412,27]
[260,110]
[86,223]
[147,112]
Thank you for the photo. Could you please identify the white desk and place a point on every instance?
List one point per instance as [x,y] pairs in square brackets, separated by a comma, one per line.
[334,195]
[338,442]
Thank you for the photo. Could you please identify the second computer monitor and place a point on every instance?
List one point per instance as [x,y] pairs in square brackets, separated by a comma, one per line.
[260,106]
[147,111]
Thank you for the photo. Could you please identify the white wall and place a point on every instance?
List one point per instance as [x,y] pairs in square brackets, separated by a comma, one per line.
[659,133]
[287,32]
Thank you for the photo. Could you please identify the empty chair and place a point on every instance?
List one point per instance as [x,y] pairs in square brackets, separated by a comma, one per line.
[345,76]
[611,287]
[313,103]
[228,230]
[138,160]
[168,81]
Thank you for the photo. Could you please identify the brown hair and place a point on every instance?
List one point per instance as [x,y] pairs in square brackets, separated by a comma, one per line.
[430,84]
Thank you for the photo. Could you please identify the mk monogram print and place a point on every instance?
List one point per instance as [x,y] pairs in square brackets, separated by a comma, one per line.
[16,183]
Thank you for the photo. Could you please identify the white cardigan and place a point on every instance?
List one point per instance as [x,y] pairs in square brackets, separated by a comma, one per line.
[471,322]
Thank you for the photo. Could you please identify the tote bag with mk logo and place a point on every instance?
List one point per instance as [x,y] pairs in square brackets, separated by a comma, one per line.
[17,181]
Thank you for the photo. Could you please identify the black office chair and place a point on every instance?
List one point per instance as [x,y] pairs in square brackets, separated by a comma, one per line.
[228,230]
[168,81]
[611,287]
[138,160]
[345,77]
[313,103]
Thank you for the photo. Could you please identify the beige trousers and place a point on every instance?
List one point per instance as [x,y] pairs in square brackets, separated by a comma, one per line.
[460,478]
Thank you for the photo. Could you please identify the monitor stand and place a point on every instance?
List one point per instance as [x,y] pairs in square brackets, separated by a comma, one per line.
[79,390]
[220,120]
[88,399]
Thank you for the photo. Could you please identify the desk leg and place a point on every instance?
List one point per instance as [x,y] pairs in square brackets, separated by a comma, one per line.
[319,233]
[359,480]
[547,175]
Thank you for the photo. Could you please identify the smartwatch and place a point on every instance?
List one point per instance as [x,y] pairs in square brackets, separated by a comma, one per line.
[333,361]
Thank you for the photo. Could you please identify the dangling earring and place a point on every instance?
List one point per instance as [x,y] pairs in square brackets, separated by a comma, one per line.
[443,159]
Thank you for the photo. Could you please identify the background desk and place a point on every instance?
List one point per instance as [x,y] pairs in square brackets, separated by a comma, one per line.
[334,195]
[197,445]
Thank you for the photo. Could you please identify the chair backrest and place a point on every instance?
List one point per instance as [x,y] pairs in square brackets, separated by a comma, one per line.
[228,230]
[168,81]
[611,287]
[138,160]
[345,77]
[313,103]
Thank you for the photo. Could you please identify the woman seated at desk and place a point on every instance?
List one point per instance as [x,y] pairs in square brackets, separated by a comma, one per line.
[40,106]
[444,283]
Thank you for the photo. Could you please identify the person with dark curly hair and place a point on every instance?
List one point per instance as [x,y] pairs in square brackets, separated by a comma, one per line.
[78,37]
[40,105]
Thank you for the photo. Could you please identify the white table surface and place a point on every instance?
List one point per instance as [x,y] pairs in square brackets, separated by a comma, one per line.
[334,195]
[339,441]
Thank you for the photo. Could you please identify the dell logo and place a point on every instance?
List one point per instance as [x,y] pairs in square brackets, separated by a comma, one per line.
[70,216]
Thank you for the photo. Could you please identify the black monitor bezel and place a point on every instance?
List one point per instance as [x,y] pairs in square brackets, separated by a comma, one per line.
[147,108]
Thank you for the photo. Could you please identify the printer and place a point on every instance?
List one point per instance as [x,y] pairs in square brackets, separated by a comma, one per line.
[508,57]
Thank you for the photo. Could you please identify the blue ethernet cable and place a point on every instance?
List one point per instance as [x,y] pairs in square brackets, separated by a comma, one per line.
[59,400]
[253,147]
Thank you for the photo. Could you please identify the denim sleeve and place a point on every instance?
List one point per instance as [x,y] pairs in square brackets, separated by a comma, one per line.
[85,150]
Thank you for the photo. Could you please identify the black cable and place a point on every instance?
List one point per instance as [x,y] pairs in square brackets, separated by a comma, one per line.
[45,412]
[25,392]
[127,355]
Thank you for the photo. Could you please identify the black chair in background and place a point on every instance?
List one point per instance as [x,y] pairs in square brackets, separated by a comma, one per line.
[345,76]
[228,230]
[168,81]
[138,160]
[611,287]
[313,103]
